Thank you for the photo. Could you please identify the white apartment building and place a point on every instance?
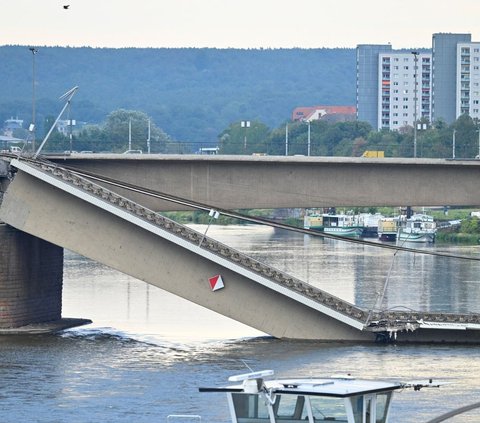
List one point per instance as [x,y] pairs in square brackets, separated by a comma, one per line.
[404,88]
[467,98]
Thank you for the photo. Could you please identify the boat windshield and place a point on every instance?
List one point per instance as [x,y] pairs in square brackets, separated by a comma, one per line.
[368,408]
[251,408]
[371,408]
[383,404]
[328,409]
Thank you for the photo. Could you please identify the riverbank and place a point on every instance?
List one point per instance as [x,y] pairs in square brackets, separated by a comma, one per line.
[457,238]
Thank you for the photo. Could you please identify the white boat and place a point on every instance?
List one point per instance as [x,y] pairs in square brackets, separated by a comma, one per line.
[418,228]
[252,399]
[341,225]
[369,223]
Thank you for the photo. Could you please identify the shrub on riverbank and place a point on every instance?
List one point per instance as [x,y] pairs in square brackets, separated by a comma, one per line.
[457,238]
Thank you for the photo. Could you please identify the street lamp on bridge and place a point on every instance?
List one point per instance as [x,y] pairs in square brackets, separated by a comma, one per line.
[32,125]
[245,124]
[415,99]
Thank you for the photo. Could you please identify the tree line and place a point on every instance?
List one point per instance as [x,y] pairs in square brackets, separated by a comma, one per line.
[130,129]
[461,139]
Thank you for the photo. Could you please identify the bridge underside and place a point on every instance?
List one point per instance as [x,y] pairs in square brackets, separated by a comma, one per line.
[226,181]
[67,216]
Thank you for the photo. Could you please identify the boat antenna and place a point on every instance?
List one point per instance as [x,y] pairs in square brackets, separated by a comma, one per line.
[246,365]
[68,96]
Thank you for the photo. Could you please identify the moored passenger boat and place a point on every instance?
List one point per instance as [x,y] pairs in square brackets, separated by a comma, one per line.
[341,225]
[313,221]
[418,228]
[369,224]
[388,228]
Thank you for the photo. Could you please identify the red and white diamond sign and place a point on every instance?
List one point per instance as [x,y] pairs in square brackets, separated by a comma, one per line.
[216,282]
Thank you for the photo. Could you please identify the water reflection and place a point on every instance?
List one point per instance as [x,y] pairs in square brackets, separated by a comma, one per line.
[358,273]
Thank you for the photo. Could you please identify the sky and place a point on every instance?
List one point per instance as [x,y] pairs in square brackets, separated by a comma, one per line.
[234,23]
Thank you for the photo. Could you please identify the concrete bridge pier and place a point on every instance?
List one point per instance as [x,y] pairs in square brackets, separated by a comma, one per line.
[31,281]
[31,277]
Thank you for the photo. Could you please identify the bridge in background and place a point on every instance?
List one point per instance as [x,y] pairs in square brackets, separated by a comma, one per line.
[70,211]
[239,182]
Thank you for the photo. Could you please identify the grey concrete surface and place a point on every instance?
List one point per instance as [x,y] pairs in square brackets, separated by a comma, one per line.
[236,182]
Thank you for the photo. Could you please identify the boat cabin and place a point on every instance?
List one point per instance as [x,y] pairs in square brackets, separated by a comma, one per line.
[337,399]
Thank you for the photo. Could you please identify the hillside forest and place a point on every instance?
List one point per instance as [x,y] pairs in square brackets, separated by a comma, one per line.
[192,94]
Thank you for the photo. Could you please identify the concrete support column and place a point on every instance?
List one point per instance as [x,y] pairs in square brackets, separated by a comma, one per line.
[31,276]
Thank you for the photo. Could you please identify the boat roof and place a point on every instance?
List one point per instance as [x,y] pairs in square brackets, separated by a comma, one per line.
[339,387]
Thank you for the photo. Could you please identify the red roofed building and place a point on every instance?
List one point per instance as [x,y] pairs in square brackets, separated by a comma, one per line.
[330,113]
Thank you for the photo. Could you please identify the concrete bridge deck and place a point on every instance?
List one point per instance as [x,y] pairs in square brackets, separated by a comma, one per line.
[59,206]
[227,181]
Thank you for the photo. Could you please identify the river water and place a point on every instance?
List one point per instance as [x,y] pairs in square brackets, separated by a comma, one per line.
[147,352]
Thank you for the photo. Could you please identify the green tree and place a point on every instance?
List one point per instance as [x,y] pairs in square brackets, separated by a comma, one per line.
[466,138]
[470,225]
[129,128]
[56,142]
[276,141]
[238,139]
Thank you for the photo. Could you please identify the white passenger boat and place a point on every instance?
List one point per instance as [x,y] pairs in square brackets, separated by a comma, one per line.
[252,399]
[341,225]
[369,223]
[418,228]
